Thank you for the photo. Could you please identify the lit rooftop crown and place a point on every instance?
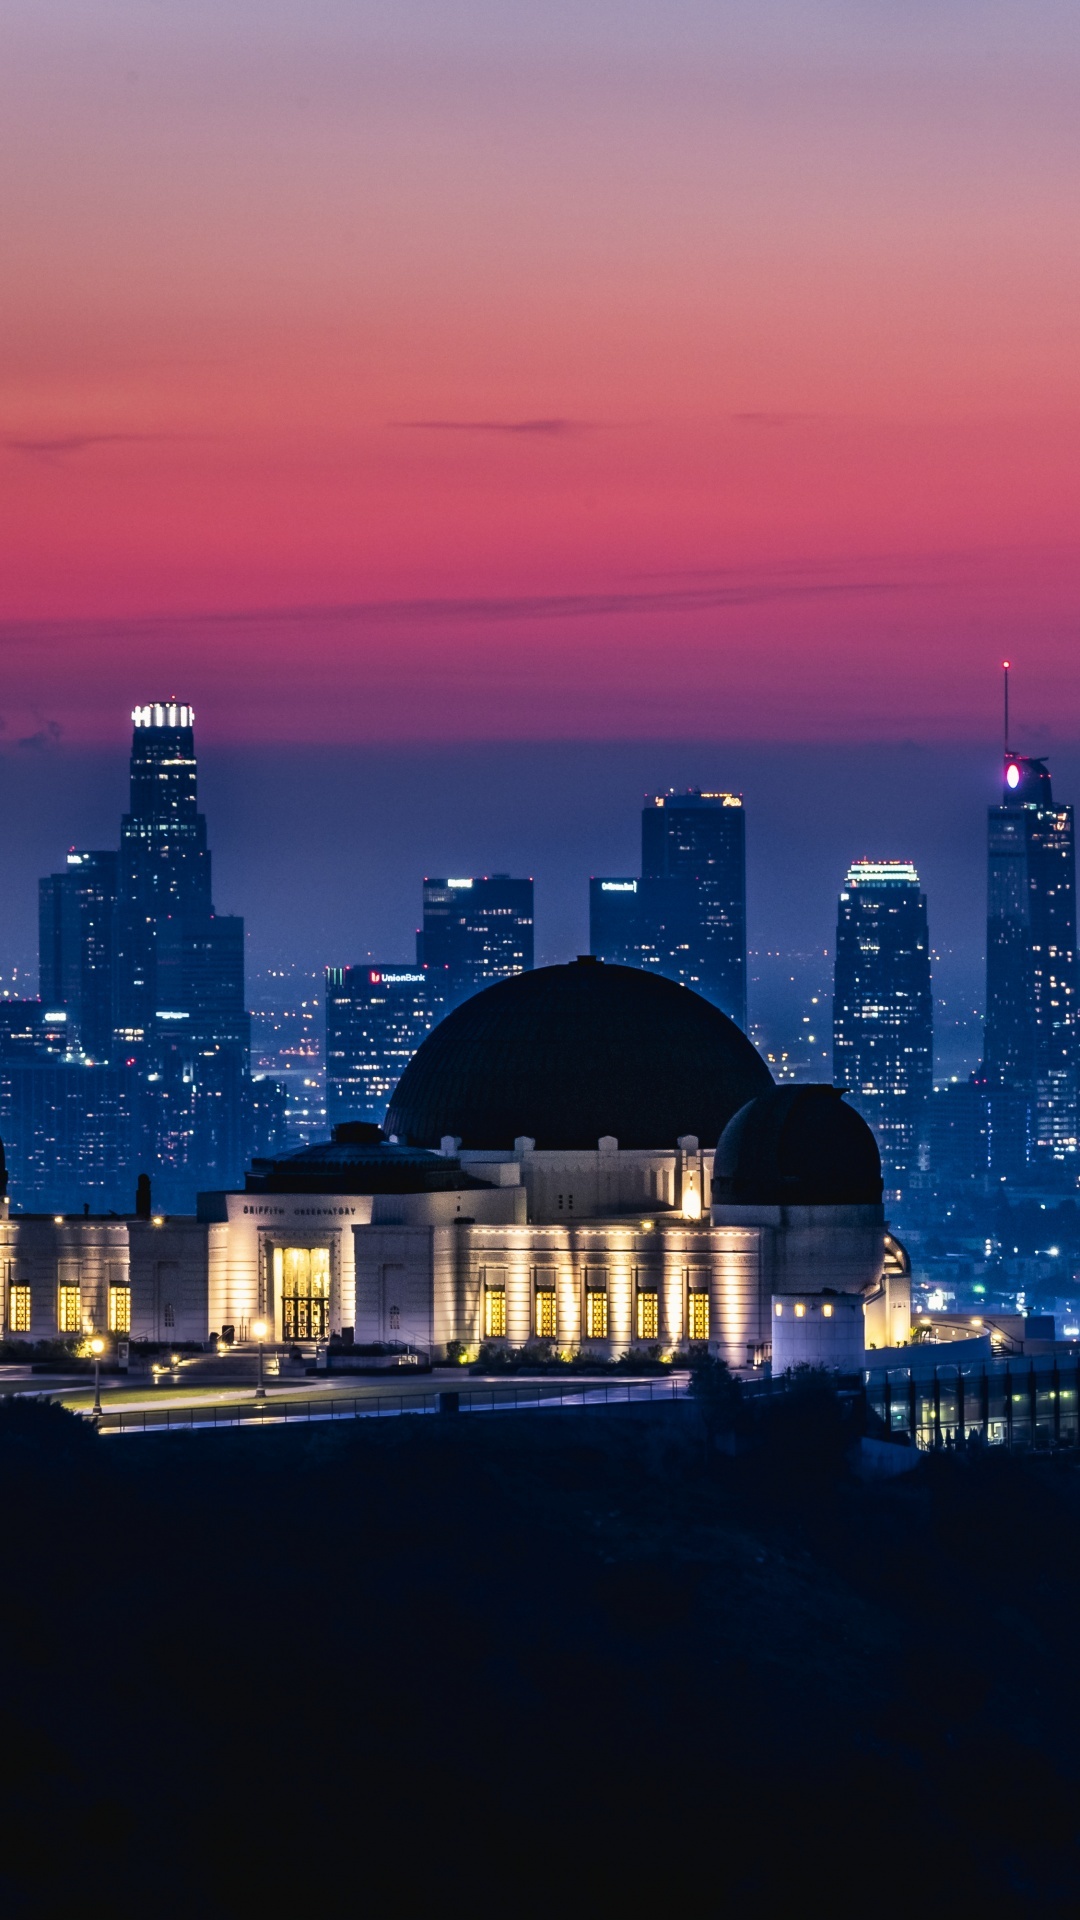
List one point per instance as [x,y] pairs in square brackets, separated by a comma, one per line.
[163,714]
[862,873]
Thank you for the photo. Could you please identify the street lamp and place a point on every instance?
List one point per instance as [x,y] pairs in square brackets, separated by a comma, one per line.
[97,1348]
[259,1329]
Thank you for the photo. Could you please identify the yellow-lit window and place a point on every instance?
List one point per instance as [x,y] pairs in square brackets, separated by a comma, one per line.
[119,1309]
[648,1314]
[19,1309]
[596,1313]
[545,1313]
[827,1310]
[495,1312]
[800,1310]
[779,1309]
[69,1310]
[699,1314]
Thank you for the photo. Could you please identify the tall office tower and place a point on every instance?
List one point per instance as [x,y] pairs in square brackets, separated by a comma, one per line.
[179,971]
[686,916]
[883,1011]
[1030,1046]
[616,933]
[476,931]
[75,948]
[376,1017]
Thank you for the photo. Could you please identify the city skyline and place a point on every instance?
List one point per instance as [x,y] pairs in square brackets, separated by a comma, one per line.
[799,874]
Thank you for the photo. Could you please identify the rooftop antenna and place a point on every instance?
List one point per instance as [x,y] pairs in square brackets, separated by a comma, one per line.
[1005,669]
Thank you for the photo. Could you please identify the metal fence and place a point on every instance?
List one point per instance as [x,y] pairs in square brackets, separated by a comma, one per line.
[274,1412]
[1011,1403]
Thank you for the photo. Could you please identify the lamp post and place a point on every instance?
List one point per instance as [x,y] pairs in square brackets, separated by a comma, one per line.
[97,1348]
[259,1330]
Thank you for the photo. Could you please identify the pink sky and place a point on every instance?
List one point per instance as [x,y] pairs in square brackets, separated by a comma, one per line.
[475,369]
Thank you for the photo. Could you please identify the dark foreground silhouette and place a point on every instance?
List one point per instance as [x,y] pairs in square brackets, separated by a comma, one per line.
[531,1662]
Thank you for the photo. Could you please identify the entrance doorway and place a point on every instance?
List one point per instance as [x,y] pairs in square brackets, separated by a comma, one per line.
[302,1281]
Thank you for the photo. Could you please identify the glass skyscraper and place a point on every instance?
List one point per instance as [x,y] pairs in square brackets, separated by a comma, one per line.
[685,916]
[77,911]
[476,930]
[376,1017]
[1029,1059]
[883,1017]
[148,983]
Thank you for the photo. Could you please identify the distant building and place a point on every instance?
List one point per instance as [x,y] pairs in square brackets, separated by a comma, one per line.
[476,930]
[616,932]
[685,916]
[179,1006]
[952,1147]
[140,975]
[77,910]
[70,1128]
[883,1022]
[376,1017]
[1030,1049]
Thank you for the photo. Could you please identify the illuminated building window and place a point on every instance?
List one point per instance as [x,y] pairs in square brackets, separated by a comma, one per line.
[69,1310]
[495,1313]
[779,1309]
[302,1278]
[800,1310]
[827,1310]
[545,1313]
[648,1314]
[698,1313]
[119,1309]
[596,1313]
[19,1309]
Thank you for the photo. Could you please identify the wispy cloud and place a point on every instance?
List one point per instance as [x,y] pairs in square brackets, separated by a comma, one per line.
[47,735]
[542,428]
[79,442]
[747,591]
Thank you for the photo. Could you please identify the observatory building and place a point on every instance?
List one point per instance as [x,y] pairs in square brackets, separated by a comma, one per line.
[587,1156]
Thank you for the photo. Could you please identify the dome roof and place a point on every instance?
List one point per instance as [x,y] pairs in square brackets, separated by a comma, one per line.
[568,1054]
[359,1159]
[797,1147]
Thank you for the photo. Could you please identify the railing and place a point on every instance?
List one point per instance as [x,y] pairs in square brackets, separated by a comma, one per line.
[1033,1403]
[272,1412]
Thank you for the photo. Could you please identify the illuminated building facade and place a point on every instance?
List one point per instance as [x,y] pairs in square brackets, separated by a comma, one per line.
[376,1017]
[575,1236]
[685,916]
[1029,1060]
[883,1019]
[475,930]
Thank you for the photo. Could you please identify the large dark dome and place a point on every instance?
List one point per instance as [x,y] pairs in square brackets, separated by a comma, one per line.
[797,1147]
[566,1055]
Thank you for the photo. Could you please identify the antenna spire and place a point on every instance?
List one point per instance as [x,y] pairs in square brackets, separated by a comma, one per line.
[1005,670]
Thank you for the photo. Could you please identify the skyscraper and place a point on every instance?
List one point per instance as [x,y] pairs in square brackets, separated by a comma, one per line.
[883,1019]
[475,931]
[148,979]
[376,1017]
[76,948]
[1029,1060]
[685,917]
[179,976]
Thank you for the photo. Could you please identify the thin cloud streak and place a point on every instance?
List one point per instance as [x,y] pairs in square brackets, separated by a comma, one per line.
[543,429]
[80,442]
[478,610]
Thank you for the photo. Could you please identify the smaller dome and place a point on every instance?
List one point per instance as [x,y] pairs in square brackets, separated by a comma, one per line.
[797,1147]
